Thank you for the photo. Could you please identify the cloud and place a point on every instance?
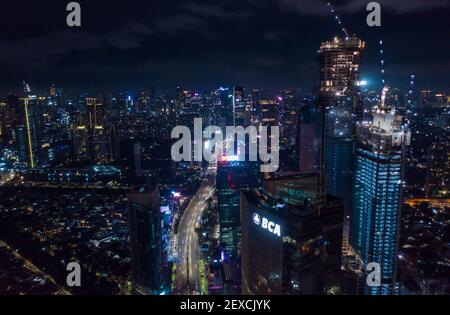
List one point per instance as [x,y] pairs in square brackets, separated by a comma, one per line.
[306,7]
[179,22]
[44,50]
[214,11]
[319,8]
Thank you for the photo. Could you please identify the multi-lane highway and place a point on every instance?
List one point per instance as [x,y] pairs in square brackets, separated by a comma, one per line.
[188,249]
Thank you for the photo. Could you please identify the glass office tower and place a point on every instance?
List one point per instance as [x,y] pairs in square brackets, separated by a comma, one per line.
[145,238]
[232,177]
[377,193]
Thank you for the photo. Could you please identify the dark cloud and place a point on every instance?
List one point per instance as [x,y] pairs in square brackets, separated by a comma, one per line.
[214,11]
[200,42]
[319,8]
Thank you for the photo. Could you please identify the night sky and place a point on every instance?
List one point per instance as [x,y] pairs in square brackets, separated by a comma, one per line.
[128,45]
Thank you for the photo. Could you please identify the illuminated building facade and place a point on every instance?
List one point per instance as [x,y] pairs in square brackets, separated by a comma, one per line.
[438,170]
[28,132]
[339,61]
[291,237]
[239,107]
[377,189]
[81,143]
[146,239]
[232,177]
[341,102]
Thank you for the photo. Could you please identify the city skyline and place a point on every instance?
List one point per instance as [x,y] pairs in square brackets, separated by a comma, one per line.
[325,173]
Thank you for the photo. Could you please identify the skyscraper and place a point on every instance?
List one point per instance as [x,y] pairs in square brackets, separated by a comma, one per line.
[145,238]
[81,143]
[232,176]
[291,237]
[339,61]
[28,132]
[377,188]
[239,107]
[340,103]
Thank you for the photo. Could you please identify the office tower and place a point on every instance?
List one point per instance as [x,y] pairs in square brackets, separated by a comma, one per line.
[290,107]
[438,169]
[239,107]
[377,188]
[95,112]
[269,112]
[232,176]
[340,105]
[113,139]
[224,107]
[179,99]
[81,143]
[96,116]
[269,117]
[28,132]
[52,90]
[340,126]
[145,238]
[142,102]
[291,237]
[10,119]
[161,161]
[131,158]
[308,141]
[60,97]
[425,98]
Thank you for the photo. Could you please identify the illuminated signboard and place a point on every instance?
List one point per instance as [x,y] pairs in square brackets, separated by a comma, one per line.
[266,224]
[230,158]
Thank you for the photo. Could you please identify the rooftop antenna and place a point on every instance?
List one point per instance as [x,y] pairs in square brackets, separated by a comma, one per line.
[26,87]
[338,19]
[383,97]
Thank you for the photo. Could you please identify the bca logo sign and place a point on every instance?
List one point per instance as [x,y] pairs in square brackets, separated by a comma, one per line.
[267,224]
[256,218]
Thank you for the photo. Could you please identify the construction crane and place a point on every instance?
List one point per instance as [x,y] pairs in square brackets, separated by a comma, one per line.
[382,63]
[338,19]
[410,91]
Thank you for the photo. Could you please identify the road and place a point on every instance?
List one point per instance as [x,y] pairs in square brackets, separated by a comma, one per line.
[188,249]
[30,266]
[6,177]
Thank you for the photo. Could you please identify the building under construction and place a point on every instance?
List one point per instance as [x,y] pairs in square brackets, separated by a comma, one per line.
[339,62]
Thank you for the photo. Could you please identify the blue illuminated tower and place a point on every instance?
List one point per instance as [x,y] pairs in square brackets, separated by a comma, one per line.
[377,188]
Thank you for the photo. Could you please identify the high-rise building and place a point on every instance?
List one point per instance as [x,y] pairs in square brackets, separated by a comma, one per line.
[95,112]
[377,190]
[28,132]
[96,119]
[438,169]
[340,126]
[341,106]
[339,61]
[146,239]
[239,107]
[232,177]
[290,107]
[142,104]
[425,98]
[131,158]
[308,141]
[52,90]
[81,143]
[291,237]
